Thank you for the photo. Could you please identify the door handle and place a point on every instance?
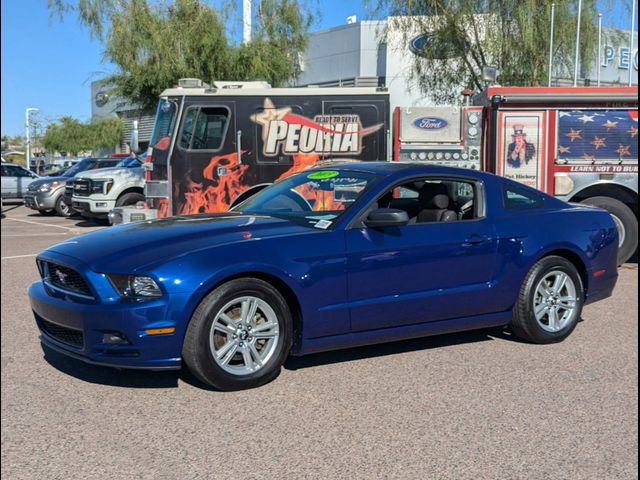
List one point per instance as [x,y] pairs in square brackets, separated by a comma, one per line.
[475,239]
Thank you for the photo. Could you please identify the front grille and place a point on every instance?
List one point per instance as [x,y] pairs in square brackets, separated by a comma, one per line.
[64,334]
[82,187]
[66,278]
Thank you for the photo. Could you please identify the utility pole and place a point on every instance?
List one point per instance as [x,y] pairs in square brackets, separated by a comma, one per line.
[27,126]
[577,59]
[553,14]
[599,58]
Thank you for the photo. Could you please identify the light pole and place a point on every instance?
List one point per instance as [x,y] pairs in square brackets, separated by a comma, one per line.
[27,126]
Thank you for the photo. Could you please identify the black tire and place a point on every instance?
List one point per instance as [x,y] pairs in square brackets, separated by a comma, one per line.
[47,213]
[129,199]
[628,219]
[62,208]
[196,351]
[524,323]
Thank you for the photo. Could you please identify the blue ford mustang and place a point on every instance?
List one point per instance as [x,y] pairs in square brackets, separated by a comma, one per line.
[329,258]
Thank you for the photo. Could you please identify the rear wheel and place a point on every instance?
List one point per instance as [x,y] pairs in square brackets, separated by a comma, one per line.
[239,336]
[549,303]
[626,223]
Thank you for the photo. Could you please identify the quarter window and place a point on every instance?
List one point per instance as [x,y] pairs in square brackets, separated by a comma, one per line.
[204,128]
[519,199]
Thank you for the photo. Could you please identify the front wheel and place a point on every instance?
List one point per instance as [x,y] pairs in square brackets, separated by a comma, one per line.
[62,208]
[239,336]
[47,213]
[550,302]
[129,199]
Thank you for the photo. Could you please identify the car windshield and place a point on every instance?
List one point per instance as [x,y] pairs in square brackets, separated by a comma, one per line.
[314,198]
[81,166]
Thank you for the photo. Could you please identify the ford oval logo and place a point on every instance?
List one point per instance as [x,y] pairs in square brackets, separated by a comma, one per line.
[430,123]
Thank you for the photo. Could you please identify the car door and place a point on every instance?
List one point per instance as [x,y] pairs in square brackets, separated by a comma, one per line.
[9,181]
[24,178]
[421,272]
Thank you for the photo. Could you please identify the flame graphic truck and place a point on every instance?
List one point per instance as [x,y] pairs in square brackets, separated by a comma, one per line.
[211,143]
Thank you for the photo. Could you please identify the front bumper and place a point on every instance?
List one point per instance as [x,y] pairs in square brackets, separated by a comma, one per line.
[90,207]
[41,200]
[79,329]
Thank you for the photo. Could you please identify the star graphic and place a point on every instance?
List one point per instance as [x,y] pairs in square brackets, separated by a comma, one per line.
[564,114]
[598,142]
[586,156]
[623,150]
[562,149]
[269,114]
[609,125]
[574,134]
[586,118]
[633,131]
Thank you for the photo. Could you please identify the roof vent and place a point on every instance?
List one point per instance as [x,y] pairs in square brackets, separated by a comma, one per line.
[251,85]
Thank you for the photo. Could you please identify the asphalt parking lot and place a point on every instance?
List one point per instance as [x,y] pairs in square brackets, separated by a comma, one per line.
[465,406]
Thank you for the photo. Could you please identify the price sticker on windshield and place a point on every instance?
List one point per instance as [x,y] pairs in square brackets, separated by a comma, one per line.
[323,224]
[322,175]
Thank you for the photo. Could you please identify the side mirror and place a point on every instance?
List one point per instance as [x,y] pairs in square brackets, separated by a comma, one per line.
[386,217]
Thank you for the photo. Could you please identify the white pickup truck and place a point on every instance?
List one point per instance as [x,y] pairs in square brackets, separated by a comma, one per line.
[96,192]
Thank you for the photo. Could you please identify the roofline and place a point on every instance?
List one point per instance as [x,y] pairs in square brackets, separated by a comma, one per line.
[271,92]
[563,94]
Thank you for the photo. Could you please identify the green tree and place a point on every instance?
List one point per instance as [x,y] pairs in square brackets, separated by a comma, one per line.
[512,35]
[73,136]
[154,44]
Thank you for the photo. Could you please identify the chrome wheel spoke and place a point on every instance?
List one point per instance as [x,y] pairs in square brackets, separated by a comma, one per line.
[230,353]
[540,310]
[559,283]
[553,319]
[567,303]
[246,358]
[255,354]
[248,312]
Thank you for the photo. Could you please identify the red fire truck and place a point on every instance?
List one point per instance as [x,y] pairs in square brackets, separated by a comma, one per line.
[579,144]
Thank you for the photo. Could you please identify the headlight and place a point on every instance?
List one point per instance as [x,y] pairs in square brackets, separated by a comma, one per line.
[47,187]
[101,186]
[135,286]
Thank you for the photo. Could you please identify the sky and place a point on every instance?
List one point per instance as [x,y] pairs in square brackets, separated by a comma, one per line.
[50,65]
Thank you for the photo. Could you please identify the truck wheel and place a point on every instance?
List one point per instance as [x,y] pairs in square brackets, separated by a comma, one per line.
[62,208]
[626,223]
[239,336]
[129,199]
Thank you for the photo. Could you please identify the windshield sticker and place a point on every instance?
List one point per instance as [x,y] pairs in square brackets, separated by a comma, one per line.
[322,175]
[323,224]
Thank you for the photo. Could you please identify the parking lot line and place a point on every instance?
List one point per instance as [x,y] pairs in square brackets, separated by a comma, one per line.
[36,235]
[20,256]
[39,223]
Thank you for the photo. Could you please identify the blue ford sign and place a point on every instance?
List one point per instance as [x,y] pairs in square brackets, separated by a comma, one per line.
[430,123]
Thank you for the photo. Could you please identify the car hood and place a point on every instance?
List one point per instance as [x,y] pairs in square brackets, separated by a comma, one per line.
[131,247]
[111,172]
[42,180]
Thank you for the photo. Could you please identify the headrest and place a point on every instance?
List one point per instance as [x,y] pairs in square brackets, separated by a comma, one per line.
[440,201]
[430,190]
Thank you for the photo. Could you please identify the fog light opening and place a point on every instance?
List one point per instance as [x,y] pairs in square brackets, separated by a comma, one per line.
[116,338]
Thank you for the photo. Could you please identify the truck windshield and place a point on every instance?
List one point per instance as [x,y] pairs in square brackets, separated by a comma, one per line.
[164,123]
[81,166]
[314,198]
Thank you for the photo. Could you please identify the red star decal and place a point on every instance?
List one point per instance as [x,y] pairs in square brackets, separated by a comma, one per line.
[598,142]
[623,150]
[574,134]
[633,131]
[609,125]
[586,156]
[562,149]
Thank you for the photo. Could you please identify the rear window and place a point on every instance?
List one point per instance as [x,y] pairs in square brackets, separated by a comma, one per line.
[520,199]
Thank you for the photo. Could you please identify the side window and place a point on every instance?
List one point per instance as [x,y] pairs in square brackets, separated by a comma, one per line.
[204,128]
[435,200]
[21,172]
[515,198]
[5,171]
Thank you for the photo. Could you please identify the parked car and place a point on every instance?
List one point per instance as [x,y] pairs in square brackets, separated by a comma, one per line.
[95,164]
[97,192]
[15,180]
[326,259]
[46,195]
